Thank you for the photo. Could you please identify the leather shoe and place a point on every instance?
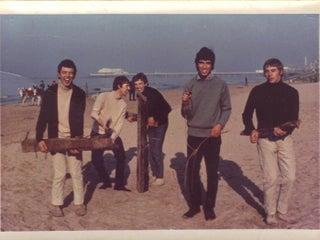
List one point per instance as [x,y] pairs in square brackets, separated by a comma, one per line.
[121,188]
[105,185]
[209,214]
[191,212]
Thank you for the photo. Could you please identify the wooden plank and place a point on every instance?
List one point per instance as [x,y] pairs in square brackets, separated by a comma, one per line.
[142,158]
[63,144]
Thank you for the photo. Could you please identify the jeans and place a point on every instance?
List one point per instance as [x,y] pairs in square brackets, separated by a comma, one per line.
[209,148]
[119,154]
[156,137]
[277,158]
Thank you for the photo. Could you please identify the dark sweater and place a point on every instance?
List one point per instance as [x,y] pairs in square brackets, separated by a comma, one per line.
[157,106]
[49,113]
[275,104]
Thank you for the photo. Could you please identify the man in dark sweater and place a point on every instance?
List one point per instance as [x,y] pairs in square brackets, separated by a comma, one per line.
[207,107]
[62,112]
[158,110]
[275,103]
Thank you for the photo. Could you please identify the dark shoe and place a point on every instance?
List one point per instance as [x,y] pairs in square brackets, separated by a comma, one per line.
[105,185]
[80,210]
[209,214]
[121,188]
[191,212]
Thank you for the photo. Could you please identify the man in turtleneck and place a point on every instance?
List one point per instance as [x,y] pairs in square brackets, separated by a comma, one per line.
[62,111]
[275,103]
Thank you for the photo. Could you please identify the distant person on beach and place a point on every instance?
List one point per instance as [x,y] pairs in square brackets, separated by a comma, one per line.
[158,110]
[132,92]
[206,106]
[275,103]
[109,112]
[62,112]
[246,81]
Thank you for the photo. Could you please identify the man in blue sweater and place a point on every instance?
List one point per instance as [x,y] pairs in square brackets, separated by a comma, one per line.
[207,107]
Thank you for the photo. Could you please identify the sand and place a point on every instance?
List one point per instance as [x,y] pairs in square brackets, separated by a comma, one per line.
[26,177]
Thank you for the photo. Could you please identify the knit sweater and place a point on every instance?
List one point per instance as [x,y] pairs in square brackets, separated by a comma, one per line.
[210,105]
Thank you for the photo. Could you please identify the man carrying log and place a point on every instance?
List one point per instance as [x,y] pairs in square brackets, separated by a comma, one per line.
[109,112]
[206,106]
[62,111]
[277,108]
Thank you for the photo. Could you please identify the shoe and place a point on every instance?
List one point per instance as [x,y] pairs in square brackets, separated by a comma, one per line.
[271,219]
[80,210]
[158,182]
[209,214]
[56,211]
[121,188]
[105,185]
[286,218]
[191,212]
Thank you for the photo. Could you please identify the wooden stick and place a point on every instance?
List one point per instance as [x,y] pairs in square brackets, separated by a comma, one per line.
[63,144]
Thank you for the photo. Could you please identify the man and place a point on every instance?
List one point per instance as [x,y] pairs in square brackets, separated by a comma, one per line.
[275,103]
[108,113]
[62,111]
[158,110]
[206,105]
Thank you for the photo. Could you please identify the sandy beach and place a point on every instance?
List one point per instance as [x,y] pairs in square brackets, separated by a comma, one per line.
[26,177]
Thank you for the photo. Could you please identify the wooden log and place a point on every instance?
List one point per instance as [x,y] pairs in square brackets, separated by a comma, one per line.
[63,144]
[142,158]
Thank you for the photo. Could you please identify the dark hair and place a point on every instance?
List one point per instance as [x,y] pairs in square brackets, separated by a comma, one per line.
[205,54]
[141,76]
[119,81]
[273,62]
[69,64]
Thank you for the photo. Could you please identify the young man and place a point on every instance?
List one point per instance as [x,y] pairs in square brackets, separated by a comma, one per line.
[158,110]
[62,111]
[275,103]
[206,106]
[108,113]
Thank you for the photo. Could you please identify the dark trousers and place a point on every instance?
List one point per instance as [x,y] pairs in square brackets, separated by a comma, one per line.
[156,137]
[210,150]
[119,155]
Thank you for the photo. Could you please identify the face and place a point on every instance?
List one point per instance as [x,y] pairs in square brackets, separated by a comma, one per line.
[204,68]
[66,76]
[139,85]
[124,89]
[273,74]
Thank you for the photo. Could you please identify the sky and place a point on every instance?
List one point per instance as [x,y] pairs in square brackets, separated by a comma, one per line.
[33,45]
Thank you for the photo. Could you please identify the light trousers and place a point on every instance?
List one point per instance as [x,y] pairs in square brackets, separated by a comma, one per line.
[60,162]
[278,165]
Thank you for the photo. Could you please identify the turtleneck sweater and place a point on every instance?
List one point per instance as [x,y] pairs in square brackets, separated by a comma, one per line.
[274,103]
[64,97]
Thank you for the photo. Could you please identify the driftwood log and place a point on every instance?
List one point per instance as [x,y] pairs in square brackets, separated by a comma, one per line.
[266,132]
[63,144]
[142,158]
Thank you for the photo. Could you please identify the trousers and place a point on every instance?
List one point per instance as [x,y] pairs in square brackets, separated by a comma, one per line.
[277,162]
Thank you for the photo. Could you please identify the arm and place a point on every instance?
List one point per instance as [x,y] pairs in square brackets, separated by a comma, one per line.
[95,113]
[225,106]
[247,114]
[117,128]
[42,125]
[186,104]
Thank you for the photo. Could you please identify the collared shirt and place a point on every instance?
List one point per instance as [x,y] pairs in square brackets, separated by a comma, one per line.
[210,105]
[111,109]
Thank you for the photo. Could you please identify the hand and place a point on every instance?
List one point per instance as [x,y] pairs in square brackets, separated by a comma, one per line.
[186,98]
[74,151]
[131,119]
[152,122]
[254,136]
[43,146]
[279,132]
[216,130]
